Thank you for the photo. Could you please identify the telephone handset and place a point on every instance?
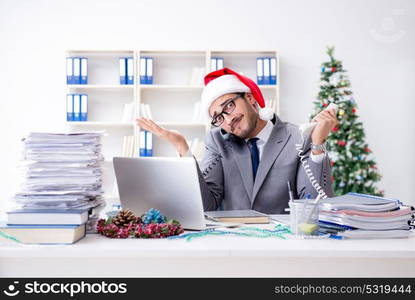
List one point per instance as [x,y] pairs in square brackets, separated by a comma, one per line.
[306,130]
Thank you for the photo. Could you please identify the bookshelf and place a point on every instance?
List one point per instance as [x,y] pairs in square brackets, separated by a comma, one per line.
[177,86]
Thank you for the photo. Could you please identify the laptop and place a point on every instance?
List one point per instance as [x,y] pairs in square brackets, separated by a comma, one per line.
[168,184]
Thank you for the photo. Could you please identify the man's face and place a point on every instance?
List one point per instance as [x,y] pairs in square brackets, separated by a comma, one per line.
[243,119]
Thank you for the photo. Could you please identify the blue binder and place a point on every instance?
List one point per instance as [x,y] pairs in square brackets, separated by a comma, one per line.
[260,70]
[77,70]
[130,70]
[84,70]
[123,70]
[273,70]
[84,107]
[149,70]
[69,70]
[76,107]
[267,74]
[142,144]
[69,107]
[142,70]
[219,63]
[213,64]
[149,144]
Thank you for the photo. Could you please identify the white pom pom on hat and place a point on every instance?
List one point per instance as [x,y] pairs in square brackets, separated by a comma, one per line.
[226,81]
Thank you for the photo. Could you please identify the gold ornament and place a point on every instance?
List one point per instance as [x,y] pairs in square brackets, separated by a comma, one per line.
[341,112]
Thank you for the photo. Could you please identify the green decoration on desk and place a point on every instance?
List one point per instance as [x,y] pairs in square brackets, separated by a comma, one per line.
[9,237]
[279,232]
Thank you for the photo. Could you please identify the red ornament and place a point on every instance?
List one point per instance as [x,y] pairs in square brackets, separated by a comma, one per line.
[373,167]
[332,163]
[353,110]
[325,104]
[341,143]
[335,129]
[333,69]
[367,150]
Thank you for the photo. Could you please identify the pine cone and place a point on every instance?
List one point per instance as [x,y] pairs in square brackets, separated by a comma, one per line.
[124,218]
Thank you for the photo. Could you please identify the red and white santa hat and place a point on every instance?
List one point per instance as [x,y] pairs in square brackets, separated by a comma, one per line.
[226,81]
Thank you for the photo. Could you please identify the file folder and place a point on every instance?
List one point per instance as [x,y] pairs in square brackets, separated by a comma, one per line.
[130,70]
[142,146]
[69,70]
[77,70]
[213,64]
[149,70]
[84,70]
[219,63]
[260,70]
[273,70]
[69,107]
[76,107]
[149,144]
[123,70]
[267,74]
[142,70]
[84,107]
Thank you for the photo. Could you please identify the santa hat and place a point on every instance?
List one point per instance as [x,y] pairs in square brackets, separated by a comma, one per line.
[226,81]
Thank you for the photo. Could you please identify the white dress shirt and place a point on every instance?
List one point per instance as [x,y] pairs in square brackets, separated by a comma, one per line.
[264,135]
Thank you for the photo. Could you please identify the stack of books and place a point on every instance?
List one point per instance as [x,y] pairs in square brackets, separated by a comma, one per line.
[61,194]
[364,216]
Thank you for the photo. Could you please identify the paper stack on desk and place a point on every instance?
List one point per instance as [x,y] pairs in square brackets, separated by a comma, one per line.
[364,216]
[62,176]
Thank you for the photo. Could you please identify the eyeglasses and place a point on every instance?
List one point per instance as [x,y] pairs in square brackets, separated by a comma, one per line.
[228,108]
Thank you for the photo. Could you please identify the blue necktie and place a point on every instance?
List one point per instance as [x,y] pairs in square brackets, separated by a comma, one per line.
[254,155]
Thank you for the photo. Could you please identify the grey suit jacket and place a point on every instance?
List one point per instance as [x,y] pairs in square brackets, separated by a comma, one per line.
[226,177]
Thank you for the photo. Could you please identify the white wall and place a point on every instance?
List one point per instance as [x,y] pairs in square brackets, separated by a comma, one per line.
[375,40]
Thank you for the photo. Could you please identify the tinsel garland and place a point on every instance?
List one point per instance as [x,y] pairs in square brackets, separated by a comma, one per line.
[154,225]
[279,231]
[9,237]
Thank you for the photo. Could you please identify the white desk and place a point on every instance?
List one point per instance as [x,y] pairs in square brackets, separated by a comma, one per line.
[98,256]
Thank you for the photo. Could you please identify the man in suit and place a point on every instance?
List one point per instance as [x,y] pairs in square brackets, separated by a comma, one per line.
[251,154]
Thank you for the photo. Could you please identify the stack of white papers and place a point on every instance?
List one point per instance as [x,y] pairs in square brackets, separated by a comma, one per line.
[365,216]
[61,171]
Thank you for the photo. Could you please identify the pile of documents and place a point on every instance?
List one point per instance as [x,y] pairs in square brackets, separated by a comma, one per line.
[364,216]
[62,171]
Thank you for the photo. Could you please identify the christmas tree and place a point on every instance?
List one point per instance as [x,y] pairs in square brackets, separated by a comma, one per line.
[353,168]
